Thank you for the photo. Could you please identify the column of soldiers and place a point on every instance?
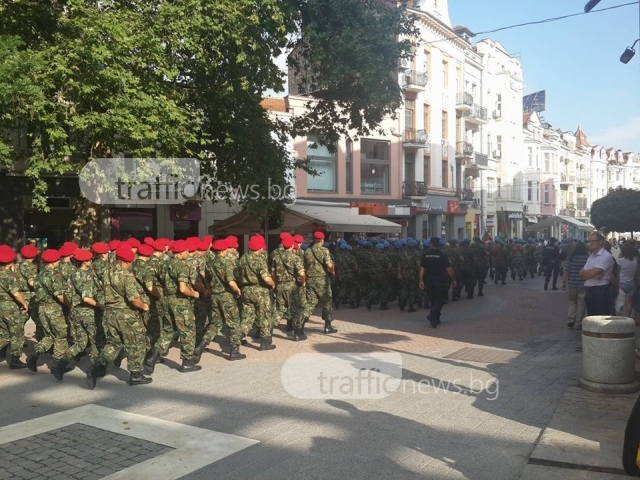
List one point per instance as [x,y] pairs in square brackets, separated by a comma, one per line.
[133,300]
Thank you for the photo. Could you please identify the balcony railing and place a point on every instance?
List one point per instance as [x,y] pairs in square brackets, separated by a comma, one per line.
[466,195]
[464,100]
[477,114]
[414,189]
[566,178]
[482,160]
[464,149]
[568,212]
[413,137]
[413,78]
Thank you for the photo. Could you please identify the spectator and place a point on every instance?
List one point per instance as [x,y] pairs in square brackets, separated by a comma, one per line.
[628,262]
[577,290]
[597,274]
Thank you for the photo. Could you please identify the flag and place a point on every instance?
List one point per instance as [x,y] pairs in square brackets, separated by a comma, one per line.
[486,237]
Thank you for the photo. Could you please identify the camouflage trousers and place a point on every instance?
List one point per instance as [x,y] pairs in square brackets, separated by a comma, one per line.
[152,323]
[165,325]
[83,320]
[288,304]
[182,316]
[224,310]
[256,307]
[201,312]
[33,313]
[12,322]
[124,330]
[408,291]
[347,290]
[319,293]
[379,291]
[56,330]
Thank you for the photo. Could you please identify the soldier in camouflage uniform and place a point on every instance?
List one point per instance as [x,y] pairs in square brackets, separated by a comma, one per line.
[256,286]
[469,269]
[408,276]
[51,299]
[380,269]
[517,264]
[363,259]
[288,272]
[125,329]
[149,294]
[500,261]
[195,264]
[509,248]
[224,291]
[530,262]
[84,306]
[481,264]
[347,269]
[454,253]
[179,301]
[99,265]
[27,275]
[319,269]
[13,308]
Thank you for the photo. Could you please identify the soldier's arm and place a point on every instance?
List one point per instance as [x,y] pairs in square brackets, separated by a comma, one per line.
[139,304]
[269,281]
[20,299]
[421,273]
[331,267]
[186,291]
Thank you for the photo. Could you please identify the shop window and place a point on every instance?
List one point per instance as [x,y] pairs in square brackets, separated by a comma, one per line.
[323,162]
[374,167]
[183,229]
[133,222]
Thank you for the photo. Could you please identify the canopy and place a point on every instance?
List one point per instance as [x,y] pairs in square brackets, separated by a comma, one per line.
[532,218]
[304,214]
[556,220]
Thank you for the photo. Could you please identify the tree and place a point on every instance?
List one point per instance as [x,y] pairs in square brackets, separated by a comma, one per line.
[617,212]
[84,79]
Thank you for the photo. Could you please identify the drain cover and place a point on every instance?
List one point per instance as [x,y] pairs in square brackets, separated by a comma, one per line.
[483,355]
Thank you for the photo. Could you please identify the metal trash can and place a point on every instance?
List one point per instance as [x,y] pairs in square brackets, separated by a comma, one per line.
[608,355]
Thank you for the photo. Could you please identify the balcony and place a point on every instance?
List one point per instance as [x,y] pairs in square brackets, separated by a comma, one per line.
[567,179]
[478,160]
[465,195]
[476,115]
[464,150]
[567,212]
[414,189]
[583,182]
[414,139]
[414,81]
[464,102]
[445,149]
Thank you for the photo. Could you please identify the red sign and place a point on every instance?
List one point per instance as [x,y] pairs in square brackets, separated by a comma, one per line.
[453,206]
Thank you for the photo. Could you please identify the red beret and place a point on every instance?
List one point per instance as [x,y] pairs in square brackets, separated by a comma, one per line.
[7,255]
[134,242]
[207,238]
[232,241]
[164,240]
[159,246]
[148,241]
[204,246]
[99,248]
[256,243]
[50,256]
[67,249]
[145,250]
[287,242]
[125,254]
[82,255]
[318,235]
[179,246]
[113,244]
[283,234]
[28,251]
[70,245]
[296,246]
[193,244]
[220,245]
[298,238]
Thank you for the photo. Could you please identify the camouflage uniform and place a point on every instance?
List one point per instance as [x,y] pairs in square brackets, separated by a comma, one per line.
[145,279]
[468,270]
[11,318]
[517,264]
[161,306]
[49,286]
[125,328]
[27,273]
[180,307]
[409,278]
[99,267]
[83,316]
[256,300]
[347,268]
[456,259]
[530,262]
[501,263]
[380,269]
[224,307]
[480,264]
[363,278]
[287,266]
[316,260]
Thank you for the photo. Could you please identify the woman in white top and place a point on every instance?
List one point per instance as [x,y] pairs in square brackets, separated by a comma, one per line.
[628,262]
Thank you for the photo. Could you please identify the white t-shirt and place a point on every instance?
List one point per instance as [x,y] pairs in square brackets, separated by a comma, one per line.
[627,269]
[604,261]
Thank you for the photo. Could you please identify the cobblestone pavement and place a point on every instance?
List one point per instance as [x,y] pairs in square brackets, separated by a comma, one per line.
[448,419]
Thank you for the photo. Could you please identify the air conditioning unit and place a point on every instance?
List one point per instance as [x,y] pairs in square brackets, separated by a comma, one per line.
[404,64]
[475,203]
[497,114]
[497,154]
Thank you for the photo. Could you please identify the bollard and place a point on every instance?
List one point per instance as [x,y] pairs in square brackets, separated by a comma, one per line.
[608,355]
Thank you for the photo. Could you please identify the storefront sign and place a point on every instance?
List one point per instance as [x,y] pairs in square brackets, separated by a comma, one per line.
[432,209]
[514,216]
[490,221]
[453,206]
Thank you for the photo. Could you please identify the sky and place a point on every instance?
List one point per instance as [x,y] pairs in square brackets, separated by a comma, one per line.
[576,60]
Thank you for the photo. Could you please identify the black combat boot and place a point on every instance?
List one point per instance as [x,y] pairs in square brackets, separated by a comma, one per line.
[353,305]
[3,352]
[401,307]
[93,375]
[198,351]
[480,294]
[189,366]
[235,354]
[383,306]
[58,369]
[368,303]
[289,326]
[298,335]
[15,363]
[138,378]
[546,285]
[411,309]
[118,360]
[32,362]
[151,360]
[266,344]
[328,328]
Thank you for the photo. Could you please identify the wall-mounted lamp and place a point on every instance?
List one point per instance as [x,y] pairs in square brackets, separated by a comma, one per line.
[628,54]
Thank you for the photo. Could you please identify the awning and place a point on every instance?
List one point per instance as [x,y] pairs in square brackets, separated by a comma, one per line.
[304,214]
[532,218]
[557,220]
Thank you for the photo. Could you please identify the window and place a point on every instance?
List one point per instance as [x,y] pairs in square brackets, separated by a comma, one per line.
[409,110]
[131,222]
[611,175]
[458,78]
[427,64]
[499,188]
[445,171]
[349,164]
[617,175]
[546,162]
[427,170]
[530,157]
[490,187]
[474,87]
[445,125]
[445,74]
[546,194]
[537,191]
[602,174]
[537,160]
[323,162]
[529,191]
[427,118]
[499,143]
[184,229]
[499,103]
[374,167]
[582,203]
[409,167]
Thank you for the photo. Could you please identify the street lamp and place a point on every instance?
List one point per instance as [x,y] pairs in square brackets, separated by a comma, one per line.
[628,54]
[590,4]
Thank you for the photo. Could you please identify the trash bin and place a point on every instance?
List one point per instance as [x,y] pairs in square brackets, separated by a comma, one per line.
[608,355]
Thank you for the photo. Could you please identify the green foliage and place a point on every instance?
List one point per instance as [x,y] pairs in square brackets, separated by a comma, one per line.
[618,211]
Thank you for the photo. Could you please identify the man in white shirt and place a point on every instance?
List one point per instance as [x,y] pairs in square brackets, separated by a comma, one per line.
[597,274]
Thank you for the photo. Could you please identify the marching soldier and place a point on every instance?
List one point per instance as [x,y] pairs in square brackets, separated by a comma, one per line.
[347,270]
[161,308]
[380,268]
[480,264]
[13,308]
[500,261]
[530,261]
[408,276]
[27,275]
[145,277]
[454,255]
[319,269]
